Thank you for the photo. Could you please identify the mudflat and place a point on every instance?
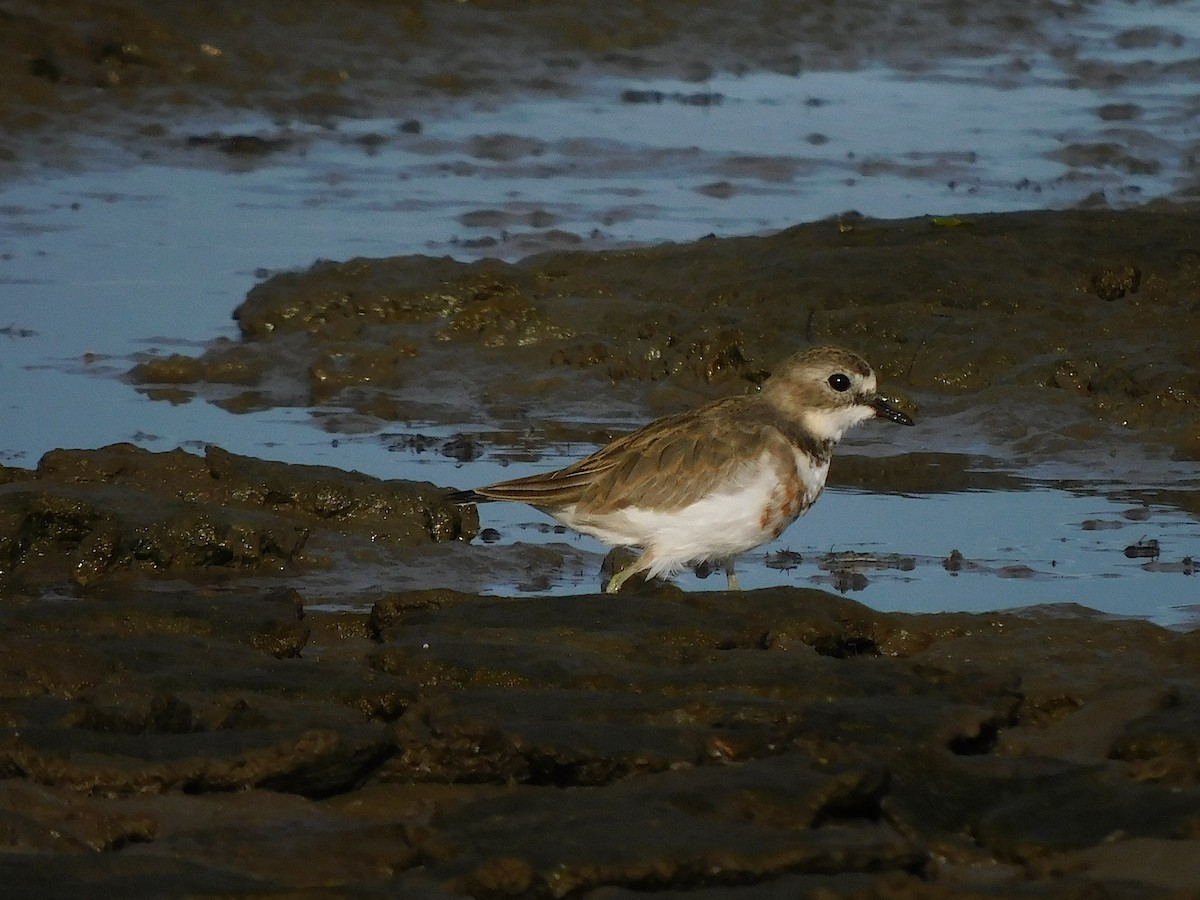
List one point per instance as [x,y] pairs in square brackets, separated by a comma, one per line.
[223,675]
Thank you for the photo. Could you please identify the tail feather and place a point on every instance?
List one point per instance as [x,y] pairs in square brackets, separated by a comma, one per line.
[550,489]
[464,497]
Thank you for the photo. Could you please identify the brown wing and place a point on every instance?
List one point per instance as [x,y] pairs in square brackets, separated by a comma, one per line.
[669,463]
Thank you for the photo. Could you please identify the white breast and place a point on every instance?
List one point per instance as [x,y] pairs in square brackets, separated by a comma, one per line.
[721,525]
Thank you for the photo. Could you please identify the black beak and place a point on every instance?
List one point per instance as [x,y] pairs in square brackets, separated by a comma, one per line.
[887,411]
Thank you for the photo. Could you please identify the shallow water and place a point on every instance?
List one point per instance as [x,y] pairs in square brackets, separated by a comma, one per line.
[1049,541]
[132,255]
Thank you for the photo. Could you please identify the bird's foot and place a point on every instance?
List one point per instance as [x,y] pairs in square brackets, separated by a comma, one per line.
[622,563]
[614,583]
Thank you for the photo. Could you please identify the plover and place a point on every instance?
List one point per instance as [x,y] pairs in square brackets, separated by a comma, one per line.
[706,485]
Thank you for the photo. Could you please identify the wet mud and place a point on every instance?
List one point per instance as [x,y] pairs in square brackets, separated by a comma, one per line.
[182,707]
[218,675]
[120,511]
[87,61]
[216,734]
[1085,317]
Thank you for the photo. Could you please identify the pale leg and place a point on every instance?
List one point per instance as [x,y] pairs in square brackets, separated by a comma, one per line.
[731,579]
[640,564]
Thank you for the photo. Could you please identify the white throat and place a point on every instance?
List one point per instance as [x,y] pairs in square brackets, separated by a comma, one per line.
[831,424]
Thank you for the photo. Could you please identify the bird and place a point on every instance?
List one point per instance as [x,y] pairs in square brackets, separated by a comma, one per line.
[708,484]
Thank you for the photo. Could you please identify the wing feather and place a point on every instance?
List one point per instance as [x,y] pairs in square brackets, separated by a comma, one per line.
[670,463]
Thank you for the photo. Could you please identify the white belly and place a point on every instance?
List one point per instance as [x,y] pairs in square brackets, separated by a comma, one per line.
[724,523]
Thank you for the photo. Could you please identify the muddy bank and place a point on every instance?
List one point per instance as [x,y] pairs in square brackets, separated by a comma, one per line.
[780,743]
[181,718]
[122,512]
[1046,331]
[215,674]
[136,65]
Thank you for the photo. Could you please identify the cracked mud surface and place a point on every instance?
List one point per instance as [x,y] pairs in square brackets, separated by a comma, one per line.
[214,734]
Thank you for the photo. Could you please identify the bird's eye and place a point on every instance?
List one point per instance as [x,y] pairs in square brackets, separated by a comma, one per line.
[839,381]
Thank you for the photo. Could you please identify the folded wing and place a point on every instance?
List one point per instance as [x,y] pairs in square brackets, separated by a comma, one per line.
[669,464]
